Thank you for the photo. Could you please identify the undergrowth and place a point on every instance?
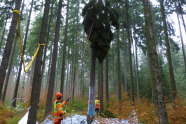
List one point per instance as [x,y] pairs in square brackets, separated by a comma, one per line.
[10,116]
[146,112]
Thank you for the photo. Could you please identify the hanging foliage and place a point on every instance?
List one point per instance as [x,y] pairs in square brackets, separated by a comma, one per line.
[103,17]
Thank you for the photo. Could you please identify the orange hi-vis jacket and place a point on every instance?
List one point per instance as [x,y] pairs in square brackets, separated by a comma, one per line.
[58,113]
[97,103]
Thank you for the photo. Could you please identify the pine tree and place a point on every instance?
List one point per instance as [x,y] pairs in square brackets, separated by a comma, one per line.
[7,51]
[36,86]
[101,16]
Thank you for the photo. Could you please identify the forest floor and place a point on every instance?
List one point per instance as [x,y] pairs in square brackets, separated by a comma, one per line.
[77,109]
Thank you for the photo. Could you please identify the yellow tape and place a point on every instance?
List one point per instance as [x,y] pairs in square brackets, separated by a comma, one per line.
[21,46]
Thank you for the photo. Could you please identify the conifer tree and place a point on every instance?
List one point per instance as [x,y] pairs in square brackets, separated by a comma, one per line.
[103,17]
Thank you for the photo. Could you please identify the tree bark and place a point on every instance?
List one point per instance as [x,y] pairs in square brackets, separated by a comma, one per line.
[171,72]
[113,72]
[130,56]
[107,83]
[9,69]
[7,51]
[47,40]
[101,87]
[54,59]
[64,50]
[182,16]
[20,65]
[2,38]
[154,65]
[118,69]
[136,60]
[183,49]
[91,102]
[36,86]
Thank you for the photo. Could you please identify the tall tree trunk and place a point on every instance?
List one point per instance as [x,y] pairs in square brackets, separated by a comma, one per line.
[7,51]
[171,73]
[182,16]
[125,62]
[20,65]
[113,80]
[130,56]
[136,60]
[36,86]
[67,81]
[54,59]
[154,65]
[99,84]
[183,49]
[118,69]
[91,101]
[50,63]
[107,83]
[2,38]
[64,50]
[9,69]
[101,87]
[47,39]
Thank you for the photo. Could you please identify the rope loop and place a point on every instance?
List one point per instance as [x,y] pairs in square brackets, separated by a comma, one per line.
[16,11]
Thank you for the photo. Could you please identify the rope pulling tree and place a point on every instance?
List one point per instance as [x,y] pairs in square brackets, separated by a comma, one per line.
[21,46]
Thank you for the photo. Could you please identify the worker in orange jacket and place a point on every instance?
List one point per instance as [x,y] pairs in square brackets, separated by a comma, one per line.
[58,104]
[97,105]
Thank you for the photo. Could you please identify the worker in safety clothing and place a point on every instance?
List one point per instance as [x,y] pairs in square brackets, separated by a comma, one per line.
[97,105]
[58,104]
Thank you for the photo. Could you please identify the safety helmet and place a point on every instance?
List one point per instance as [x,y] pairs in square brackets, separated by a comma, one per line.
[97,96]
[58,94]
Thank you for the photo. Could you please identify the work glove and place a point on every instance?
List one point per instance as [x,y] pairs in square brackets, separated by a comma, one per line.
[67,99]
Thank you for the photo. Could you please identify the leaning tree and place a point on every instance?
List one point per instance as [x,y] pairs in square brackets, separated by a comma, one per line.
[102,17]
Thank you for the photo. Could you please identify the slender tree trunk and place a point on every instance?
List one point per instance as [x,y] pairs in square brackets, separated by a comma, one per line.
[125,61]
[91,102]
[20,65]
[171,73]
[36,86]
[7,51]
[101,87]
[47,40]
[2,38]
[107,83]
[154,65]
[182,16]
[67,81]
[183,49]
[9,69]
[54,59]
[118,69]
[64,50]
[99,84]
[136,69]
[113,80]
[130,56]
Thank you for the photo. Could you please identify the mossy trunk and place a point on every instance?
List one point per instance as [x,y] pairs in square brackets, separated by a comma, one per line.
[154,65]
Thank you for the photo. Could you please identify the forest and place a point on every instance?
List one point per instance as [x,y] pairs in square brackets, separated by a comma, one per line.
[128,53]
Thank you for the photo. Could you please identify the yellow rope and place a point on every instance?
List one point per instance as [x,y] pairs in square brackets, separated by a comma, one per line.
[21,46]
